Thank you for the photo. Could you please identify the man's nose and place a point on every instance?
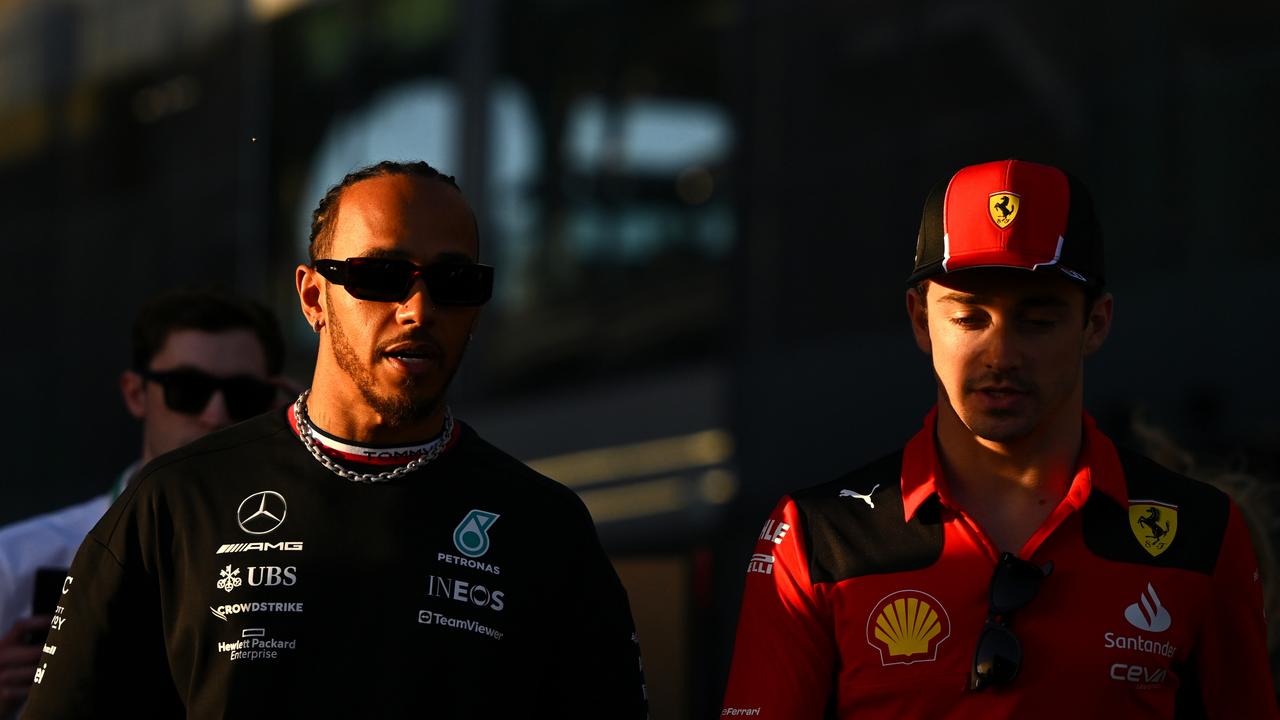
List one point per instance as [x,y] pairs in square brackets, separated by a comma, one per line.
[1003,347]
[417,308]
[215,414]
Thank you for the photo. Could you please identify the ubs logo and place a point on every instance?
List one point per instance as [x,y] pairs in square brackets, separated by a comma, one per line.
[258,576]
[262,512]
[273,575]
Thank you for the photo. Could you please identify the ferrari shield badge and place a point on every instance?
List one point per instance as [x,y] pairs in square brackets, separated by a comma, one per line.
[1003,207]
[1155,524]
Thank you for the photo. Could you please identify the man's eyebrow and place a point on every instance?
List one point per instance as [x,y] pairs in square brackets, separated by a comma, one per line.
[386,254]
[962,298]
[1035,301]
[395,254]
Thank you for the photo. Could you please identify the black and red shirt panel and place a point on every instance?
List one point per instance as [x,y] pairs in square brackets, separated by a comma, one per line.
[865,598]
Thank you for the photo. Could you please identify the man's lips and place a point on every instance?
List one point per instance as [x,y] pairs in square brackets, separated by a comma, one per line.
[1001,390]
[414,356]
[427,348]
[1000,397]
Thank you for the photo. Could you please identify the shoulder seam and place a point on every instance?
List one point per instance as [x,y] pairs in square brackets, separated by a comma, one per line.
[107,548]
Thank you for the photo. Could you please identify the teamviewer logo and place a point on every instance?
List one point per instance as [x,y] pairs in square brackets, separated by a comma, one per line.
[424,617]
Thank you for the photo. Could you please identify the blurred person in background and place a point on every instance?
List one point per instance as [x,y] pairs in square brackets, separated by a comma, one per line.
[1259,501]
[201,361]
[1010,561]
[363,554]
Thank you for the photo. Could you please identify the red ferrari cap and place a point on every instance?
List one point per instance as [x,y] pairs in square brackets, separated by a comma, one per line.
[1010,213]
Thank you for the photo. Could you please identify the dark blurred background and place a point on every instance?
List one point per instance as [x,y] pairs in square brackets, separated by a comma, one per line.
[702,213]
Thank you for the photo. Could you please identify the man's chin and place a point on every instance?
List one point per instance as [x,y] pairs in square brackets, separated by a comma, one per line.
[404,405]
[1000,428]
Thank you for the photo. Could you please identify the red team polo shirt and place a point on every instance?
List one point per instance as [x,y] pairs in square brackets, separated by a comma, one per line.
[865,597]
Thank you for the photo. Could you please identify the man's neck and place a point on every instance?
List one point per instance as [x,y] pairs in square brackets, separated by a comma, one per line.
[1010,487]
[344,413]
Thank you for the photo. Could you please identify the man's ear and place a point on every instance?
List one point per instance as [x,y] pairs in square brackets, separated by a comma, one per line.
[1098,325]
[307,281]
[917,312]
[133,388]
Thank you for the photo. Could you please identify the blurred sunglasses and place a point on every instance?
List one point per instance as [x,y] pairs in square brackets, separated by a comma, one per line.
[382,280]
[188,391]
[998,657]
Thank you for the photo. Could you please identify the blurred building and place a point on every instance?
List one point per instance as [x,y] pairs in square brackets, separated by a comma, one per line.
[702,213]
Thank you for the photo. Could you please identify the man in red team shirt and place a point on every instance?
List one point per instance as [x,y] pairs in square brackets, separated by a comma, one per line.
[1009,561]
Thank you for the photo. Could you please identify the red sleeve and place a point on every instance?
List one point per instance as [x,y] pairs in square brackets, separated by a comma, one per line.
[1231,656]
[784,655]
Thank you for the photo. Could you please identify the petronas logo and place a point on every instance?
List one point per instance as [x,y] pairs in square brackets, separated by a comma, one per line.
[908,627]
[471,537]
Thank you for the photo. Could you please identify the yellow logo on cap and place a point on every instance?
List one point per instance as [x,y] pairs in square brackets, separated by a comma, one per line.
[1154,523]
[1003,207]
[907,627]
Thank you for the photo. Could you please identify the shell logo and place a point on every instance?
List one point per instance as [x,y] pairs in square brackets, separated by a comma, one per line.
[907,627]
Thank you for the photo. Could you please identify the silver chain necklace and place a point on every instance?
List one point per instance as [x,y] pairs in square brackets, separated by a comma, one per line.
[306,431]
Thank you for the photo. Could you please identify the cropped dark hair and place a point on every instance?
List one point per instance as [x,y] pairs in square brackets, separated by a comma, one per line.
[207,311]
[324,217]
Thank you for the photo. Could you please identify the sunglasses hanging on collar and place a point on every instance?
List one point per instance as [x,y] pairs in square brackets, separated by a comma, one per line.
[998,657]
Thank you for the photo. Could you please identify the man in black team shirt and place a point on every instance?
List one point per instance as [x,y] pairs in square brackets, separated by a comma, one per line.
[364,554]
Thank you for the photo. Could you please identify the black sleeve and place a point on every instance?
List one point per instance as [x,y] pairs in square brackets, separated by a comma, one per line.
[598,670]
[105,656]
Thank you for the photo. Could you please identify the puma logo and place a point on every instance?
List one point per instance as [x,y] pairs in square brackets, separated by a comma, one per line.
[860,496]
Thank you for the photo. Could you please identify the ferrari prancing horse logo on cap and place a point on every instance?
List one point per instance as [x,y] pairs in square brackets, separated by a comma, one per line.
[1003,207]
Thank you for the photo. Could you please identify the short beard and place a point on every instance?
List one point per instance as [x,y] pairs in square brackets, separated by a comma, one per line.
[396,410]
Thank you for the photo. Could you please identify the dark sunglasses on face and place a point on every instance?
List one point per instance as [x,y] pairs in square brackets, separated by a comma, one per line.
[998,657]
[383,280]
[188,391]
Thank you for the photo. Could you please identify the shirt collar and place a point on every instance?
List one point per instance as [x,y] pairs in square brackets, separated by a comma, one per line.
[1098,467]
[125,478]
[372,454]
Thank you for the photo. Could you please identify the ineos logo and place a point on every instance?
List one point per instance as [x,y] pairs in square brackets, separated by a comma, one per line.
[462,591]
[261,512]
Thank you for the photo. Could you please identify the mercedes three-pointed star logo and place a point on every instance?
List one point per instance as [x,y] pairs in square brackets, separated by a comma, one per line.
[261,512]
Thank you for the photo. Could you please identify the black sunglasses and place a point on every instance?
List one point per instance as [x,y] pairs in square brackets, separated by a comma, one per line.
[188,391]
[998,657]
[382,280]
